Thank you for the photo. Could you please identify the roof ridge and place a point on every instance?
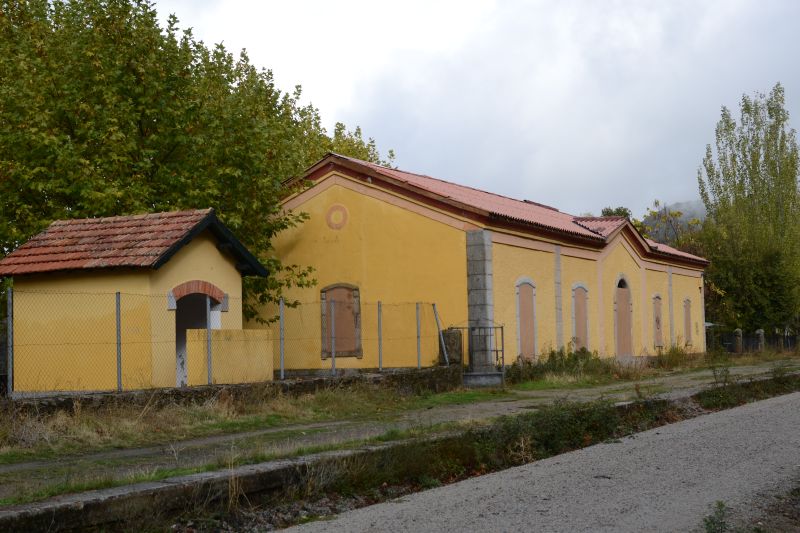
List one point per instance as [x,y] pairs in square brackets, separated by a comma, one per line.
[609,217]
[136,216]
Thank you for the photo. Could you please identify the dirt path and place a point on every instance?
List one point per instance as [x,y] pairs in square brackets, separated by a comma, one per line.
[666,479]
[222,449]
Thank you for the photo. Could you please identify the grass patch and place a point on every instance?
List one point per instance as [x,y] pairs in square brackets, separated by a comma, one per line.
[735,394]
[68,486]
[459,397]
[560,381]
[28,435]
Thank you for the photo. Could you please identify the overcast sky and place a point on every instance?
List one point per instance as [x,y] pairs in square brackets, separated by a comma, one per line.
[576,104]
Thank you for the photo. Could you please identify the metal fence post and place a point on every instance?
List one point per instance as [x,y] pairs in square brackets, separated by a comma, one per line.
[208,336]
[283,338]
[419,342]
[441,335]
[380,337]
[10,340]
[119,344]
[333,339]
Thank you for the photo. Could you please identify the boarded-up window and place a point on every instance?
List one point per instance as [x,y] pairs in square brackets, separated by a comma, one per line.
[341,321]
[687,321]
[658,332]
[623,317]
[526,323]
[581,317]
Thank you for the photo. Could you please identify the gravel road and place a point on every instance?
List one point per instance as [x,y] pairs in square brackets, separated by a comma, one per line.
[666,479]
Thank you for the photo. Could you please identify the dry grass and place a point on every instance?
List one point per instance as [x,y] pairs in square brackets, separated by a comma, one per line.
[30,433]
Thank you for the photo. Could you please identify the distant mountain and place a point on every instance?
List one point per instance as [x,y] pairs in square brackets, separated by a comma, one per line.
[689,210]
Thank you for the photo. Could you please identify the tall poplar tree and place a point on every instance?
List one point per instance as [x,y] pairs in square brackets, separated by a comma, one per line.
[752,237]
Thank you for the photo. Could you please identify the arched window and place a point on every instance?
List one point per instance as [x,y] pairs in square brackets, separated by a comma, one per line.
[687,321]
[526,318]
[580,316]
[658,325]
[341,321]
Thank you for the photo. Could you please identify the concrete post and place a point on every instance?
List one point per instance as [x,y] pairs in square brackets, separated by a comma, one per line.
[737,340]
[119,344]
[208,337]
[10,339]
[380,337]
[419,341]
[441,336]
[480,298]
[558,299]
[282,337]
[333,338]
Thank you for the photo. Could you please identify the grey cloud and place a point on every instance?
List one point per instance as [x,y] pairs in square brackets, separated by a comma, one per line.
[581,105]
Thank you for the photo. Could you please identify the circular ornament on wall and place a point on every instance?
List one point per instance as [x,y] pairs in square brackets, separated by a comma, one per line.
[337,216]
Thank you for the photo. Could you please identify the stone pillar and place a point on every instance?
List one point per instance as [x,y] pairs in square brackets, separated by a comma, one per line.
[737,340]
[480,298]
[760,340]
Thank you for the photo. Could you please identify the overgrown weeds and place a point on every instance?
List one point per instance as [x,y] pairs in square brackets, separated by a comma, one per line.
[581,368]
[28,433]
[735,394]
[579,365]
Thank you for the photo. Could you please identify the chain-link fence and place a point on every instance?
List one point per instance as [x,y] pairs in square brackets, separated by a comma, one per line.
[104,341]
[330,337]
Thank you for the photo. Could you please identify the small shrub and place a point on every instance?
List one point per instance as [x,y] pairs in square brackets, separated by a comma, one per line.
[717,521]
[675,357]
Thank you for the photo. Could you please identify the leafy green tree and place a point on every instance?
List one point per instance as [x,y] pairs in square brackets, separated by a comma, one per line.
[749,186]
[104,112]
[669,226]
[617,212]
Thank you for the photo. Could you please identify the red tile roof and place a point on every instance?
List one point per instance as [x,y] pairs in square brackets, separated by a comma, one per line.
[669,250]
[503,207]
[604,226]
[495,204]
[138,241]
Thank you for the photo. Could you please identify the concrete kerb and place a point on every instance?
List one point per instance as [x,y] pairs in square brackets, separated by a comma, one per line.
[163,498]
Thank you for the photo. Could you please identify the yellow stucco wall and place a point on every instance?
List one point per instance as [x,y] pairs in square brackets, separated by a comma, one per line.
[683,288]
[65,331]
[575,271]
[393,255]
[599,274]
[510,264]
[65,323]
[620,261]
[657,284]
[393,252]
[238,356]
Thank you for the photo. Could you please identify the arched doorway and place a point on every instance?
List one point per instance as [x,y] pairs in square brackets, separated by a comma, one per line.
[197,305]
[623,319]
